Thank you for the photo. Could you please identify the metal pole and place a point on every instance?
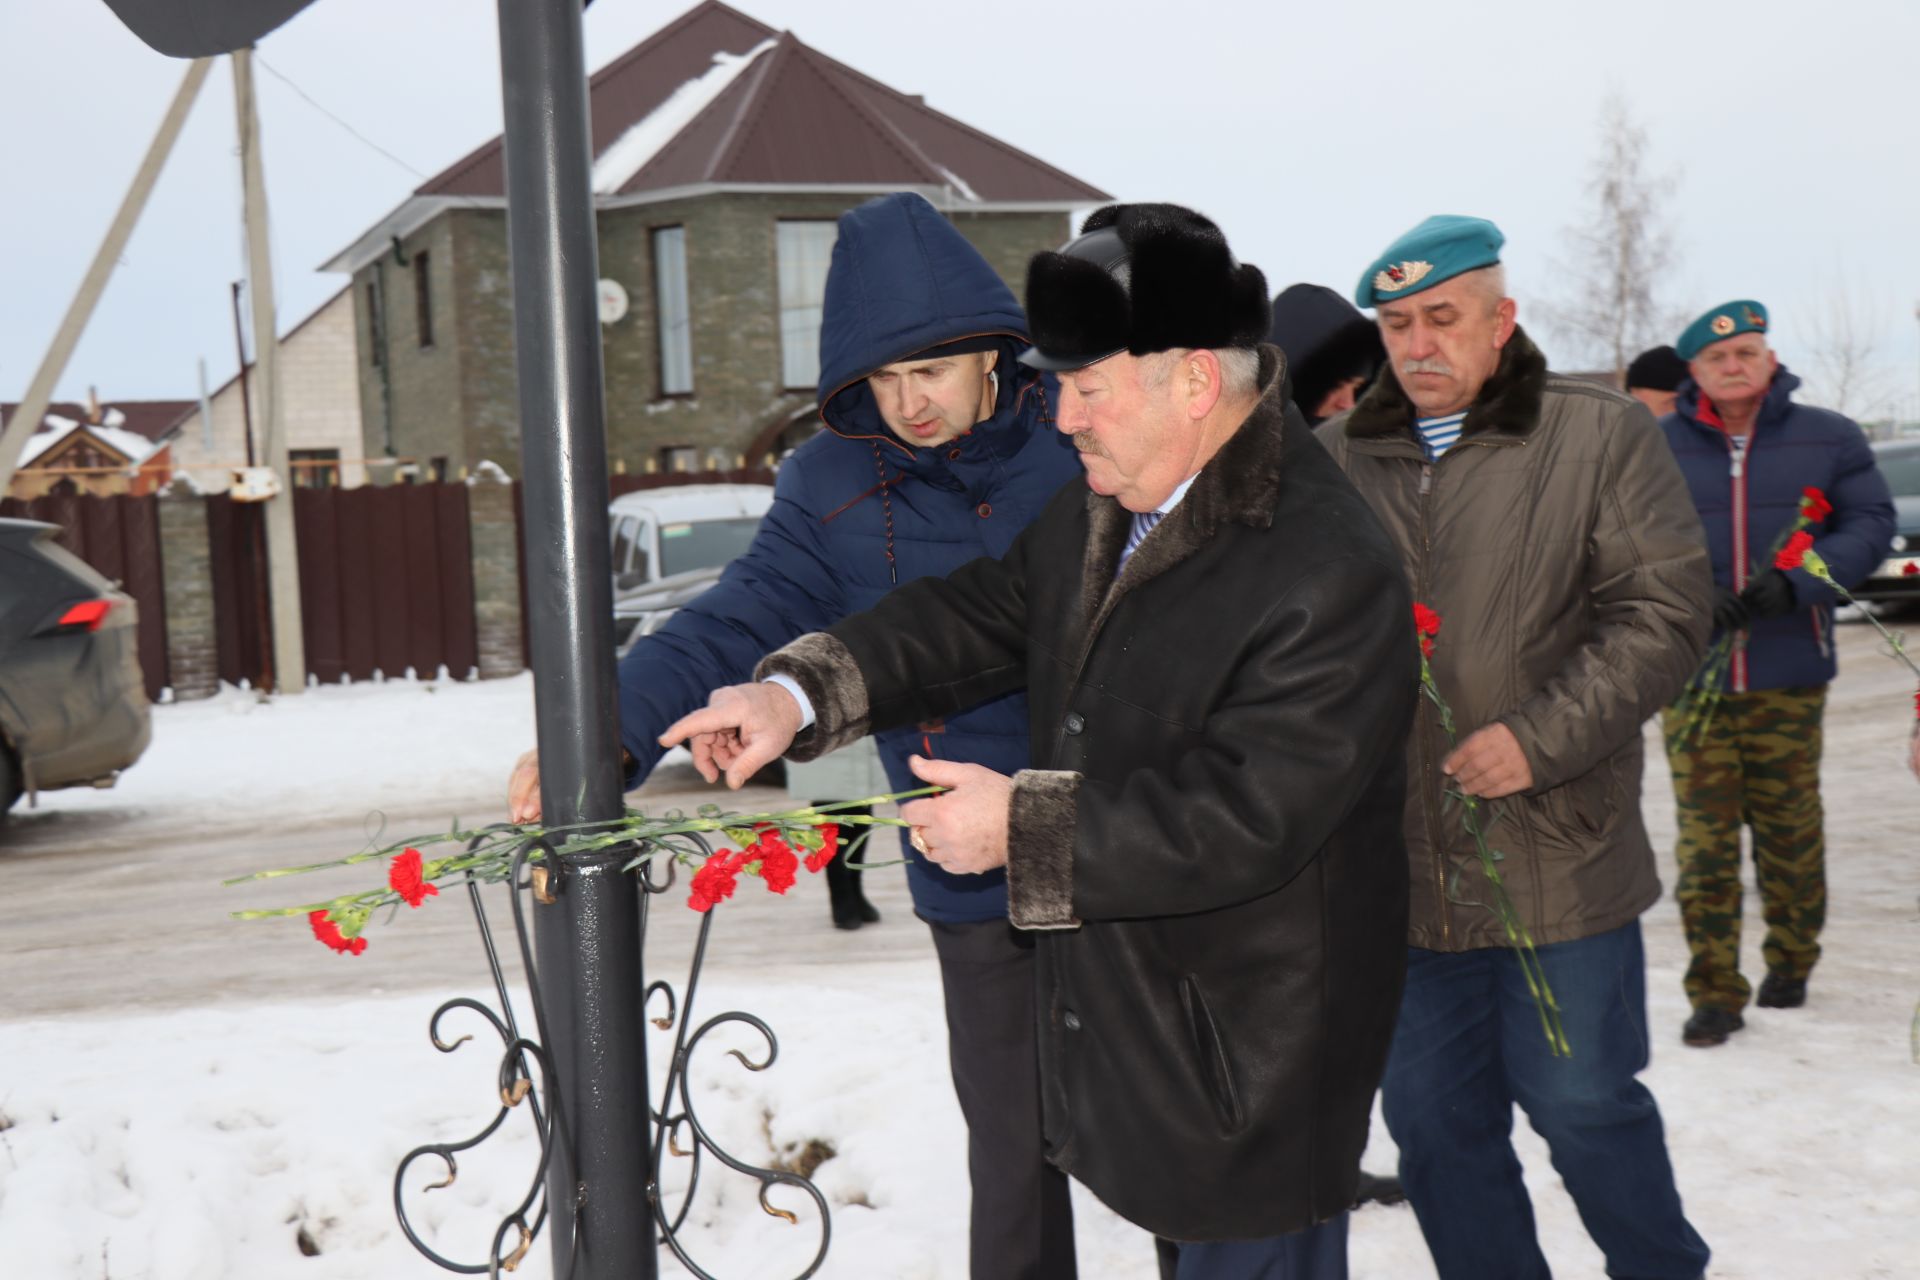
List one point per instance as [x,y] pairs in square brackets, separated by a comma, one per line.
[283,556]
[246,394]
[26,419]
[587,943]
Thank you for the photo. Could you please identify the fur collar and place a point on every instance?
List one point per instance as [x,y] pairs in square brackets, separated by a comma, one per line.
[1241,483]
[1510,402]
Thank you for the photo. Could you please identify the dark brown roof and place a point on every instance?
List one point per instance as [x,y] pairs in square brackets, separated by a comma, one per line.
[793,117]
[152,419]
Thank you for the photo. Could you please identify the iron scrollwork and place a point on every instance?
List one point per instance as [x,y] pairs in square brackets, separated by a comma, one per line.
[525,1076]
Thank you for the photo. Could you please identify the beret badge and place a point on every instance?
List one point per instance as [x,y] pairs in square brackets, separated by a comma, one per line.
[1401,275]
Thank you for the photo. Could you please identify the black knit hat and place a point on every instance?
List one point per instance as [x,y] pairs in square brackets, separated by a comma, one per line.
[1660,369]
[1141,278]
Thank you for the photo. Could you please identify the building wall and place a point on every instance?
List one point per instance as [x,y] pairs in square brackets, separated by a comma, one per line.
[412,408]
[320,401]
[459,398]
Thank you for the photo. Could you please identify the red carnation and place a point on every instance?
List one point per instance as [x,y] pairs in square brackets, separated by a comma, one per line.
[1790,556]
[777,866]
[404,878]
[328,932]
[1814,505]
[830,845]
[1916,704]
[1425,621]
[714,882]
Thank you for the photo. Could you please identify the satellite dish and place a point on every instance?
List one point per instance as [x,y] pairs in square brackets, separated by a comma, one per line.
[613,301]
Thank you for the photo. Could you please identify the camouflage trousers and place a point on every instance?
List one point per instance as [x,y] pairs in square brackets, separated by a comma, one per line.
[1757,764]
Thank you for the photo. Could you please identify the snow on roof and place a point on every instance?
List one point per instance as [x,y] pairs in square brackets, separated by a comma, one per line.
[632,150]
[136,447]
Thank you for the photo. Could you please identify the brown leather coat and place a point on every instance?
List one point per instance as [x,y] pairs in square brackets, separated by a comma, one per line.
[1559,546]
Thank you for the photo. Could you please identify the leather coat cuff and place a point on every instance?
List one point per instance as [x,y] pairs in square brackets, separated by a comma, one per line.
[831,679]
[1040,825]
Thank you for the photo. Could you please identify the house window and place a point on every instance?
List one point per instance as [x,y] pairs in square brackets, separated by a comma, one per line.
[314,468]
[802,250]
[679,457]
[438,469]
[376,326]
[671,314]
[422,299]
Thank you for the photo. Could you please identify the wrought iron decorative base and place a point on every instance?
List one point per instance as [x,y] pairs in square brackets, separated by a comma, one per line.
[677,1130]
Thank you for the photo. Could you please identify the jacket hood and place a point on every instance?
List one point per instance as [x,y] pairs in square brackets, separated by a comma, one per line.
[1779,399]
[904,279]
[1327,340]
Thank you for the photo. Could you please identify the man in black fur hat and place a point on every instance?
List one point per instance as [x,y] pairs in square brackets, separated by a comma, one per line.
[1216,640]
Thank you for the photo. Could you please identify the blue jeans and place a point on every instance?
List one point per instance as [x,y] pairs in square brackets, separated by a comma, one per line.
[1468,1046]
[1317,1253]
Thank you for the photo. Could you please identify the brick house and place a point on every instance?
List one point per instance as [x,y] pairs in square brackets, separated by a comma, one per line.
[723,152]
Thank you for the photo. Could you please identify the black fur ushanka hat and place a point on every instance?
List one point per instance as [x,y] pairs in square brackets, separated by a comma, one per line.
[1141,278]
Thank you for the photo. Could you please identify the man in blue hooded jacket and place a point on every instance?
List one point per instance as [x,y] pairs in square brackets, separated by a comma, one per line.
[938,449]
[1749,454]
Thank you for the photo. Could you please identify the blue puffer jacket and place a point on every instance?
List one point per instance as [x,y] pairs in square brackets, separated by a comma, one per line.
[857,512]
[1792,447]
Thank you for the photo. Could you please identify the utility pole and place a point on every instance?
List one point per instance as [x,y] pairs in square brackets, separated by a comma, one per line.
[33,405]
[283,557]
[587,939]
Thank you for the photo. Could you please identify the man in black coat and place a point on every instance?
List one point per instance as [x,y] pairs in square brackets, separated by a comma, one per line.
[1216,639]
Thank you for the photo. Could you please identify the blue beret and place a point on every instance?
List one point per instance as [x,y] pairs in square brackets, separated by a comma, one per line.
[1442,247]
[1742,315]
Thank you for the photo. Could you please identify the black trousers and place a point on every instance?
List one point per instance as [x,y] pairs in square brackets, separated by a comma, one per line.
[1022,1223]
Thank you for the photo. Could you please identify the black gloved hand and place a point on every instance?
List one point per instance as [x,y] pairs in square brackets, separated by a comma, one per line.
[1729,610]
[1769,596]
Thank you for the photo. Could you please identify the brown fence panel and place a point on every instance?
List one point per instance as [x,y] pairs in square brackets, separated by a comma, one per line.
[425,633]
[235,534]
[387,578]
[119,537]
[358,635]
[146,581]
[455,539]
[316,514]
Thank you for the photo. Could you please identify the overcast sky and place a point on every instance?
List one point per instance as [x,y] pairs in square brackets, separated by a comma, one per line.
[1313,133]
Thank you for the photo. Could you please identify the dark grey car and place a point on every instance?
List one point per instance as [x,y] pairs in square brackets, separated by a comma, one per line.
[1899,462]
[73,705]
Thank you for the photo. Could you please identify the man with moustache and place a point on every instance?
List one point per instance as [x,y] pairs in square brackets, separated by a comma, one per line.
[1217,646]
[1540,517]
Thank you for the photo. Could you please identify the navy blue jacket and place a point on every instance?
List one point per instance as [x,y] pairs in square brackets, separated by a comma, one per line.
[857,511]
[1792,447]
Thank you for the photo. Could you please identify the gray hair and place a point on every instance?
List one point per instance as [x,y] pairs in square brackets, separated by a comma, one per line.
[1489,282]
[1239,369]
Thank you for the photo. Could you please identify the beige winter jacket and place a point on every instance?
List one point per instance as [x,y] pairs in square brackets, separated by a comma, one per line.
[1557,543]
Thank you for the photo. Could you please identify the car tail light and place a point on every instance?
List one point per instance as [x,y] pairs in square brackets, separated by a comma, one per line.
[85,616]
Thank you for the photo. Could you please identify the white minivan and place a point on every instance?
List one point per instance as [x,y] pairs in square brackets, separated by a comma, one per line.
[670,544]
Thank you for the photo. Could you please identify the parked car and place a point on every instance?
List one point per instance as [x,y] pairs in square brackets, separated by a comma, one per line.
[670,544]
[1899,462]
[73,703]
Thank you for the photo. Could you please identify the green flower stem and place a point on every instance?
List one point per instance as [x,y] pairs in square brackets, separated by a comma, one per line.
[1502,906]
[490,859]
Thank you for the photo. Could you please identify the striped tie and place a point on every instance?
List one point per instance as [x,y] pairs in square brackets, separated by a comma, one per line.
[1143,522]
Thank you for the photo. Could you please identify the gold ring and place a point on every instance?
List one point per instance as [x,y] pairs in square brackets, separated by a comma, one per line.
[917,837]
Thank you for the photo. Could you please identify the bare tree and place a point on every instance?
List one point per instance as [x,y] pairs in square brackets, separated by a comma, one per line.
[1618,254]
[1844,339]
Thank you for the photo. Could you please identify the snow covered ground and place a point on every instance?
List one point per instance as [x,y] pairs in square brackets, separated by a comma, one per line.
[208,1142]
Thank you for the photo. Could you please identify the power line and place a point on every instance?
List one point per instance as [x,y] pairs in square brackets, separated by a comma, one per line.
[264,65]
